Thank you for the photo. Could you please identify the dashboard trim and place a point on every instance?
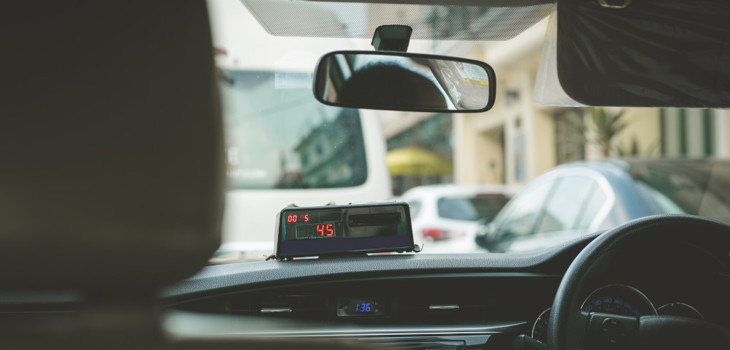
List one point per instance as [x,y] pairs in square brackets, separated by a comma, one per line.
[182,324]
[396,331]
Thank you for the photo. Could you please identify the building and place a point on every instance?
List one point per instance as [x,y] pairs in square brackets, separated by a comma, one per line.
[519,139]
[325,162]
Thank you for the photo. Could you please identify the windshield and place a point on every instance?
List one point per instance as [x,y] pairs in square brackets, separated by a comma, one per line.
[697,187]
[280,137]
[567,169]
[471,208]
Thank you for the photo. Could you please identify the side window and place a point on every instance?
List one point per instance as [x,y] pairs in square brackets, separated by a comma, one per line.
[456,208]
[415,206]
[593,205]
[519,218]
[567,207]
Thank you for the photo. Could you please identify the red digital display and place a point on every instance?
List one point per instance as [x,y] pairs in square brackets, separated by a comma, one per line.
[338,229]
[307,226]
[323,230]
[327,230]
[297,218]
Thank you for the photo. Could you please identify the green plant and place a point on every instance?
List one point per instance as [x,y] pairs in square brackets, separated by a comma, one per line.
[606,126]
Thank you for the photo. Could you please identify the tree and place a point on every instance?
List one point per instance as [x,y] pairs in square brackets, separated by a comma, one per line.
[606,126]
[601,127]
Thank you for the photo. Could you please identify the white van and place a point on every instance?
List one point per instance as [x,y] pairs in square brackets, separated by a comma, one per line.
[291,146]
[295,151]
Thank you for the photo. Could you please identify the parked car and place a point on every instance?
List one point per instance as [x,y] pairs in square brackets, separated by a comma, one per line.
[446,217]
[587,197]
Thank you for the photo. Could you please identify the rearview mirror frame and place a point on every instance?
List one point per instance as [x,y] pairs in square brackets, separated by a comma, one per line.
[321,82]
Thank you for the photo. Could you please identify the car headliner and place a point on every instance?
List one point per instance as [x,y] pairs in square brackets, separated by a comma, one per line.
[479,20]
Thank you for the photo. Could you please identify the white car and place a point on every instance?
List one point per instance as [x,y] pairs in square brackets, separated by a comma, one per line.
[446,217]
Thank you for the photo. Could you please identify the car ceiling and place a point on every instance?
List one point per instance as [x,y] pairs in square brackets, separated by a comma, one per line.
[491,20]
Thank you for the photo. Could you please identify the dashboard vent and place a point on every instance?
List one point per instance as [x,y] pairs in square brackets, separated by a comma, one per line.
[438,310]
[307,307]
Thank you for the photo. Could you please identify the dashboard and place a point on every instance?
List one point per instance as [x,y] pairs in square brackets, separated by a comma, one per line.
[431,301]
[455,302]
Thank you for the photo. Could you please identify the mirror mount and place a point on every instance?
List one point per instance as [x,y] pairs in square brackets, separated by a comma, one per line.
[392,37]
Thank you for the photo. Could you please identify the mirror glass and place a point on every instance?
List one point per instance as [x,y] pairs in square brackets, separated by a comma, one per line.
[404,81]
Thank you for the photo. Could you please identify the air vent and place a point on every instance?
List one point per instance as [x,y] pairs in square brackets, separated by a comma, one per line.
[308,307]
[442,309]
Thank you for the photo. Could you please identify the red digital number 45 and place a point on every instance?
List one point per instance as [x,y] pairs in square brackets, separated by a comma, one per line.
[326,230]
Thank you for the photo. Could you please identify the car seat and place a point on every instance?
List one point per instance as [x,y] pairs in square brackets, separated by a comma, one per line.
[112,176]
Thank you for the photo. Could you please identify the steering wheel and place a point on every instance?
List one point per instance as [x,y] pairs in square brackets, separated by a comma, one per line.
[569,328]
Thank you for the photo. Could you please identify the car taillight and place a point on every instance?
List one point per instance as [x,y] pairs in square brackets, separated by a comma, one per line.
[439,234]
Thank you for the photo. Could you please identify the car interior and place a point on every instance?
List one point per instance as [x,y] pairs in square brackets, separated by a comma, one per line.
[113,185]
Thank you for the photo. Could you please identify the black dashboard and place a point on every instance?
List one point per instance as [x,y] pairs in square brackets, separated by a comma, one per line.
[441,301]
[412,300]
[428,301]
[461,309]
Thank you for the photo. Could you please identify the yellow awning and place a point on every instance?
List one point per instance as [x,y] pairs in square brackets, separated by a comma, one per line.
[417,161]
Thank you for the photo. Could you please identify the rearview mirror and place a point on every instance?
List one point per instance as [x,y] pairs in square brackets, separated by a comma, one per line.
[404,82]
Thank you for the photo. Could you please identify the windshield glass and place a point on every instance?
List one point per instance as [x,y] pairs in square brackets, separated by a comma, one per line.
[280,137]
[566,169]
[471,208]
[696,187]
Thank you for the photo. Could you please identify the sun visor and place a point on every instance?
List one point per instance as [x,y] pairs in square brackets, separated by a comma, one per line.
[651,53]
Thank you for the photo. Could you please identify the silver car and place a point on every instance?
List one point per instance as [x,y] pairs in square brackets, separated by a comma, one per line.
[586,197]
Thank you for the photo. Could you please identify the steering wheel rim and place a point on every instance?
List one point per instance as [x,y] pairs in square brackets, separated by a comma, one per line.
[569,328]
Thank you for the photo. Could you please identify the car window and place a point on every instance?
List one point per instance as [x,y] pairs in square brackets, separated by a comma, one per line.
[488,205]
[470,208]
[456,208]
[279,137]
[593,205]
[657,201]
[695,187]
[521,214]
[567,203]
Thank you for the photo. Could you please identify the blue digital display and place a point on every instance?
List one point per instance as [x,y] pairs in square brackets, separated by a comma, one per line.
[370,307]
[364,307]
